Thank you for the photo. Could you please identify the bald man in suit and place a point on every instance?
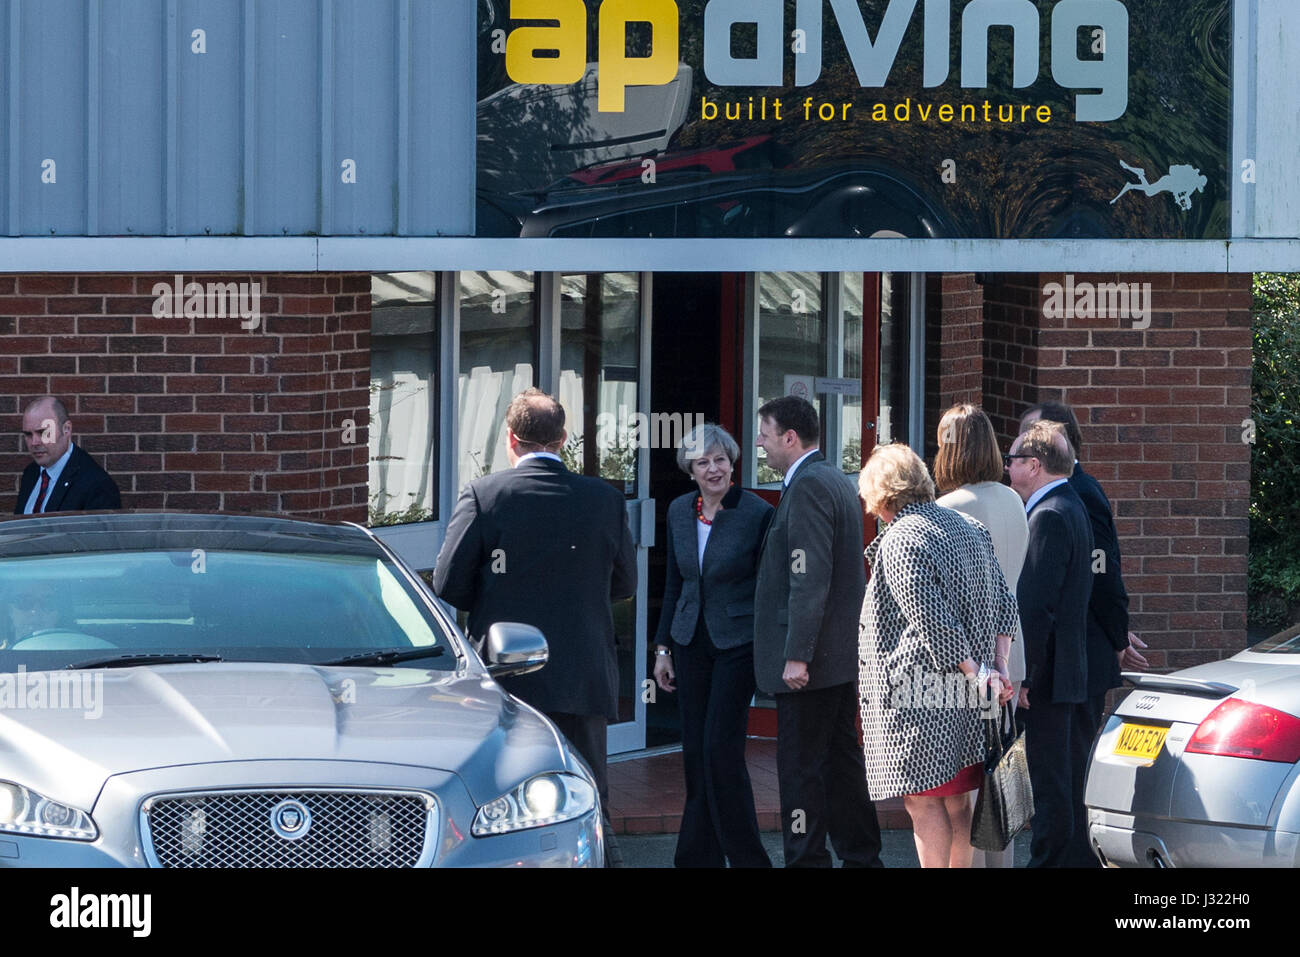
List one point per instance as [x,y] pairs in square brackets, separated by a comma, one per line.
[62,477]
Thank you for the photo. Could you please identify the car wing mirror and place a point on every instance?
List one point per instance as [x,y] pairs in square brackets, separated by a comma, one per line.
[514,649]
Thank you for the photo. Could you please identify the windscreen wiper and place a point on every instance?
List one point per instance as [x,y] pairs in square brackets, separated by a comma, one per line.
[130,661]
[388,656]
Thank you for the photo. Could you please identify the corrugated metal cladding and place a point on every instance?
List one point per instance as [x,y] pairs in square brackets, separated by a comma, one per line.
[237,117]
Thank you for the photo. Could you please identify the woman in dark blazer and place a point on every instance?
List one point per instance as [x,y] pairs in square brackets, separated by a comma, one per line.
[705,644]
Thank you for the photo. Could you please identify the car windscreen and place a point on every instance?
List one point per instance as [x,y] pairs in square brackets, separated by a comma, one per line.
[1284,642]
[239,605]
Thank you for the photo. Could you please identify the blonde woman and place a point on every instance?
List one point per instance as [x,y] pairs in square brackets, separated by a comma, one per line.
[938,614]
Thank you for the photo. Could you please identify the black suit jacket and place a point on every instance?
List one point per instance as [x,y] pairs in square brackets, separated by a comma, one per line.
[723,591]
[540,545]
[82,486]
[811,581]
[1055,585]
[1108,608]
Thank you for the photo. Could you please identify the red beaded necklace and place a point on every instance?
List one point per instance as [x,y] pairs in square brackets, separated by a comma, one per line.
[699,510]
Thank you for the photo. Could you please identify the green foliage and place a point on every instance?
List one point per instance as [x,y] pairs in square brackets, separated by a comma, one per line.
[1274,567]
[617,463]
[379,516]
[851,457]
[571,453]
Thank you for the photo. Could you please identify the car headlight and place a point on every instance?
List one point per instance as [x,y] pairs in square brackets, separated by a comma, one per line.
[539,801]
[23,811]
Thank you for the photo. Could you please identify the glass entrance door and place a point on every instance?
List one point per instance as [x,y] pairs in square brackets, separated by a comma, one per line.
[600,335]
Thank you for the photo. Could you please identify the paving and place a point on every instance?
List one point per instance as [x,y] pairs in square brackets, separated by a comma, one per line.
[646,793]
[897,850]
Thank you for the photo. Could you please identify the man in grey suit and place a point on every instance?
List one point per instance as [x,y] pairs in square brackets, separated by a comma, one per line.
[811,580]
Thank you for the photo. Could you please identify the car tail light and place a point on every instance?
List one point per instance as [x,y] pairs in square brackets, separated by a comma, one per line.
[1244,729]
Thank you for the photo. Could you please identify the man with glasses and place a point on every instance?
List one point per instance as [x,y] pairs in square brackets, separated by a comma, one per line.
[1112,648]
[1054,589]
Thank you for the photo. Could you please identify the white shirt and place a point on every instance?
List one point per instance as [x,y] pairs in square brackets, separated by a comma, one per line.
[798,462]
[701,538]
[1037,496]
[538,455]
[54,471]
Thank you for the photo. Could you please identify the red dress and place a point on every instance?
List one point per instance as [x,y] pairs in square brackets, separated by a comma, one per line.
[968,778]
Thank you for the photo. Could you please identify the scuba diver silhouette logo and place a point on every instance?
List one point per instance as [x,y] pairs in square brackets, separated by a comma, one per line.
[1181,181]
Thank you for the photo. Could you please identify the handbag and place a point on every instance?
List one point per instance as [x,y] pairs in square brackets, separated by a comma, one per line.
[1006,798]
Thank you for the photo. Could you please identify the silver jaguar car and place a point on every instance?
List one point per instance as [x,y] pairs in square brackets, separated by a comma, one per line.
[1201,768]
[241,691]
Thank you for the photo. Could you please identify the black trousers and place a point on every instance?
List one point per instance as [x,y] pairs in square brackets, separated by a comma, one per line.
[588,733]
[714,689]
[823,780]
[1058,738]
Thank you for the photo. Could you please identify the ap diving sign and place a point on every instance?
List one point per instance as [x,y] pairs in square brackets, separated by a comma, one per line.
[558,54]
[920,118]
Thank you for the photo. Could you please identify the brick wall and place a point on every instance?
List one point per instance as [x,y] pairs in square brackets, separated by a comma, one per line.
[198,413]
[1161,412]
[1011,307]
[954,359]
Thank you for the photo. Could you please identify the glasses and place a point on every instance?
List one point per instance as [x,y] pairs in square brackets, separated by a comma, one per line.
[1007,457]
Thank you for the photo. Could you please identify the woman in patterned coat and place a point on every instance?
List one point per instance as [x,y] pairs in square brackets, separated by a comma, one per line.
[937,615]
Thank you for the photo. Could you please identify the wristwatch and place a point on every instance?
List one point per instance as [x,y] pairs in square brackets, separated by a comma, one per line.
[663,652]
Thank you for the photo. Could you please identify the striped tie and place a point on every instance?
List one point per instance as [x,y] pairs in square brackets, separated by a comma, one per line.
[45,487]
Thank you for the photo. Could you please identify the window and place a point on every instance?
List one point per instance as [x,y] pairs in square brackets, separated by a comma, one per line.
[805,337]
[895,358]
[600,364]
[791,343]
[851,410]
[498,357]
[403,398]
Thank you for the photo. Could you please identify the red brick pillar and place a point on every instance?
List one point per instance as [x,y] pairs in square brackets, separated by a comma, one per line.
[1161,408]
[954,360]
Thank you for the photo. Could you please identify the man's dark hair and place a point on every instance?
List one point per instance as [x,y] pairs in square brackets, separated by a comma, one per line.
[1060,412]
[791,412]
[536,419]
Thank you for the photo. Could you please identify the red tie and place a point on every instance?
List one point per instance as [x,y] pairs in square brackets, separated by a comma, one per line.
[45,487]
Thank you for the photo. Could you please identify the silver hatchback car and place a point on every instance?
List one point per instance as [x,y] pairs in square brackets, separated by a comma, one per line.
[241,691]
[1201,768]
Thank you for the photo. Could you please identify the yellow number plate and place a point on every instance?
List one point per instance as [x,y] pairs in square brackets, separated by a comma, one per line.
[1140,741]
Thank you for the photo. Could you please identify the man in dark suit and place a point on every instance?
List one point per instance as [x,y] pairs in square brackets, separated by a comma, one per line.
[1111,646]
[62,477]
[811,580]
[1054,588]
[539,545]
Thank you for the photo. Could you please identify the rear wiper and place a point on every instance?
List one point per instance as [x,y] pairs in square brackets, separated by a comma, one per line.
[130,661]
[387,657]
